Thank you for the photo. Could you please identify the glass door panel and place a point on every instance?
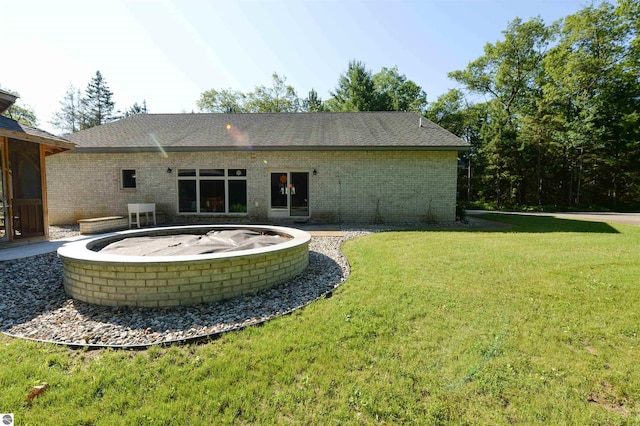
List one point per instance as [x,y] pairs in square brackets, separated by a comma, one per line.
[299,192]
[279,190]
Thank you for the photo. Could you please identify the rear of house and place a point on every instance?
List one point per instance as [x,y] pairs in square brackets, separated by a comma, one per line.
[368,167]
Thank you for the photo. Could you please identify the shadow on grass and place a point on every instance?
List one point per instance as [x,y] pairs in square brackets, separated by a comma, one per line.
[542,224]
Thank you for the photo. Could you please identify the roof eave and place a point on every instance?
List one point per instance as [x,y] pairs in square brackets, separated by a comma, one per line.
[6,100]
[130,149]
[55,145]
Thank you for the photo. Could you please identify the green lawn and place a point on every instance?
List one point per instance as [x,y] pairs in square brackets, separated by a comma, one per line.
[537,324]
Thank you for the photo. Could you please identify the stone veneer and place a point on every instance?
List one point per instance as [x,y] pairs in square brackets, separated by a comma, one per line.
[162,281]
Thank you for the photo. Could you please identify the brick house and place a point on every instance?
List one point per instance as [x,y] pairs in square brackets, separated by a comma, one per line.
[366,167]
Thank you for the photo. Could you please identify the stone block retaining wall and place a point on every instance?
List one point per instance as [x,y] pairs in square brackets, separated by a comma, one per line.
[160,284]
[98,225]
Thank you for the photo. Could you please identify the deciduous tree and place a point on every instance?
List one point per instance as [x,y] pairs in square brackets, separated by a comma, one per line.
[396,93]
[22,113]
[509,75]
[225,101]
[68,118]
[280,97]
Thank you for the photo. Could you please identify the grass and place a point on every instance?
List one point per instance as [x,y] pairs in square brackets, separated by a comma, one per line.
[536,324]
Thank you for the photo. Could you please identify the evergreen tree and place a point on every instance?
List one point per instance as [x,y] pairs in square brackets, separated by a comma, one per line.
[313,103]
[388,90]
[136,109]
[97,106]
[355,91]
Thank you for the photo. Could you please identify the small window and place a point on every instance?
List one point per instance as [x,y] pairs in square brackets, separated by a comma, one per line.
[128,179]
[211,172]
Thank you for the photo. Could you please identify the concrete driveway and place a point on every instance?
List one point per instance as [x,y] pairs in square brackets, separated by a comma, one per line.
[624,218]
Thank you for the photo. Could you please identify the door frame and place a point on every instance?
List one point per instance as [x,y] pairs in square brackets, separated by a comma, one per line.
[285,213]
[5,190]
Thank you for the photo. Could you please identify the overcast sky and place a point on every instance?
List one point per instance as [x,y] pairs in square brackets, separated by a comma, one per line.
[168,52]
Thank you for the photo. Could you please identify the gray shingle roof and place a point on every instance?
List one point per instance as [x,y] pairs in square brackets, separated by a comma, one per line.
[14,129]
[268,131]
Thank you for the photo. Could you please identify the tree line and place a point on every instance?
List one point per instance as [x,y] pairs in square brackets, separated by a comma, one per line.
[358,89]
[77,111]
[96,107]
[560,120]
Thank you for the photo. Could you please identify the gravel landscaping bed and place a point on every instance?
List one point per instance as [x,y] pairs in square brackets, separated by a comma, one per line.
[33,304]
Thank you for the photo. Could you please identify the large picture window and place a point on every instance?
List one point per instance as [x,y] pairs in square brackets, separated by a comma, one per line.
[212,191]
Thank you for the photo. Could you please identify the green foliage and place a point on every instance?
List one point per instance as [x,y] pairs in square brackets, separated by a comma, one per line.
[355,90]
[238,208]
[280,97]
[358,90]
[97,106]
[23,114]
[396,93]
[313,103]
[562,102]
[68,118]
[225,101]
[388,90]
[136,109]
[505,327]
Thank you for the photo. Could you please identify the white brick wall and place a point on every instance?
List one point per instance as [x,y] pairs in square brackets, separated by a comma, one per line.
[350,186]
[180,283]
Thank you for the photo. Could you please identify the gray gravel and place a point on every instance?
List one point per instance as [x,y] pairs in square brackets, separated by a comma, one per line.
[33,304]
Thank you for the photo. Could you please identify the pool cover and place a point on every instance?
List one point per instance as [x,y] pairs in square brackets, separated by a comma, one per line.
[190,244]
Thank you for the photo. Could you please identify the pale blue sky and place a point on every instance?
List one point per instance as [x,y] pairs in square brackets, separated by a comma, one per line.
[170,51]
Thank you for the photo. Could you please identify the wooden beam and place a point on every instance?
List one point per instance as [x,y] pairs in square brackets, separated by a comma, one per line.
[45,202]
[4,169]
[55,144]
